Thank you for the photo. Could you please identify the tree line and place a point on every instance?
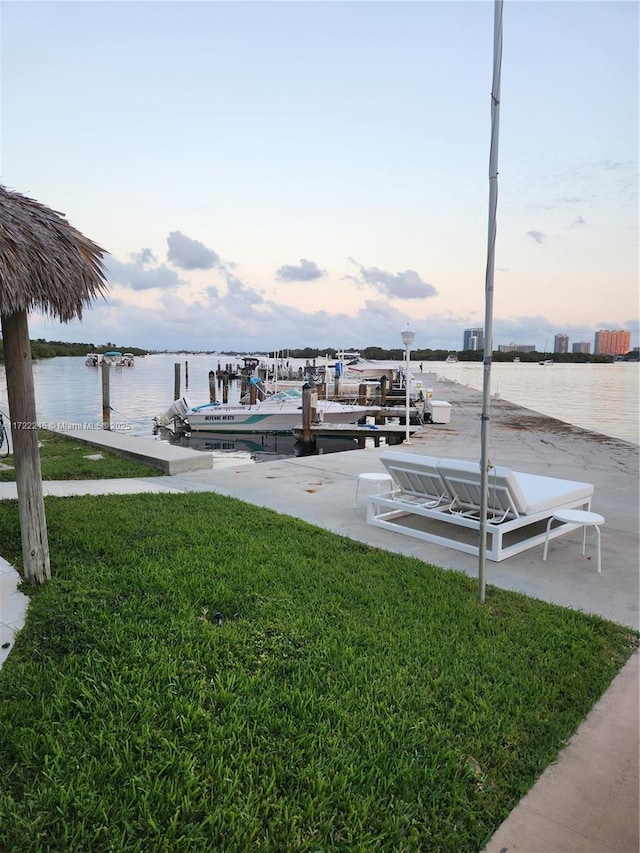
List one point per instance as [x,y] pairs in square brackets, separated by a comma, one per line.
[51,349]
[379,354]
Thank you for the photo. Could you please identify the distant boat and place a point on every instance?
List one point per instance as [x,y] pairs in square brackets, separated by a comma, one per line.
[516,360]
[452,358]
[364,369]
[546,362]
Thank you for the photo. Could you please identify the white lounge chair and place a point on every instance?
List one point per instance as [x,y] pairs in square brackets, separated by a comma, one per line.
[438,500]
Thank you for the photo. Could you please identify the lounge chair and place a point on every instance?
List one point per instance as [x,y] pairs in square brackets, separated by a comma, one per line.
[438,500]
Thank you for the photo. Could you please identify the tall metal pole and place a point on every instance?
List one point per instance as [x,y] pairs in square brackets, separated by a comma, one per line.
[485,463]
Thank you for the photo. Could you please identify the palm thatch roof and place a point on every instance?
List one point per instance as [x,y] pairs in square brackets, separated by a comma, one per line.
[45,264]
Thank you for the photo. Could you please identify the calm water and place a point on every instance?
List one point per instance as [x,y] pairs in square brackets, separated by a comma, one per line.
[599,397]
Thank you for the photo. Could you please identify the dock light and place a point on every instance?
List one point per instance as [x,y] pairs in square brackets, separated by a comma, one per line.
[408,335]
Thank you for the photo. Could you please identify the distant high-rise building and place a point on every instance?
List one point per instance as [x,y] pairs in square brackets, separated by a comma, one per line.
[581,346]
[612,342]
[516,348]
[473,339]
[561,343]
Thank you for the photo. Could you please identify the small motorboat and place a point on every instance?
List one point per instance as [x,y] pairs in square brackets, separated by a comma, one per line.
[278,413]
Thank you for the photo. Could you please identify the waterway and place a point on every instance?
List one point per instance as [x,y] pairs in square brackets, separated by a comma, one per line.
[600,397]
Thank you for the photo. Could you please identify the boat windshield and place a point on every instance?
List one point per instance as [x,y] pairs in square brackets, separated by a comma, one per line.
[293,395]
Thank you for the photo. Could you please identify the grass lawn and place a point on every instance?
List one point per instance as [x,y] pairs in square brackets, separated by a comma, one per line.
[205,675]
[64,458]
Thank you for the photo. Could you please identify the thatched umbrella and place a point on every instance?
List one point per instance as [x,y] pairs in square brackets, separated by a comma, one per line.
[46,265]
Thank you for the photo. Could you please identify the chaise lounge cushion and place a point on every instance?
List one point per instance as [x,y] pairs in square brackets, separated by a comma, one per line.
[546,493]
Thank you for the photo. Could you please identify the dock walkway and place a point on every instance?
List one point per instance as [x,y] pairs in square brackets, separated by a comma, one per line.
[168,458]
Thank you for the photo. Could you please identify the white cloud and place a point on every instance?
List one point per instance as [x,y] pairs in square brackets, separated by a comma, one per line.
[304,271]
[402,285]
[188,254]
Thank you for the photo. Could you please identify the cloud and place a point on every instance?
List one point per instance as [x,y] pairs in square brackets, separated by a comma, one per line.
[188,254]
[144,256]
[538,236]
[138,275]
[241,293]
[402,285]
[305,271]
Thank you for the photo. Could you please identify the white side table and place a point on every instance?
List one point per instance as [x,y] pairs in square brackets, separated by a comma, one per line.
[379,479]
[577,517]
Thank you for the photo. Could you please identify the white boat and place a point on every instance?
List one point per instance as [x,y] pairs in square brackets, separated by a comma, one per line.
[367,371]
[278,413]
[547,362]
[93,359]
[452,358]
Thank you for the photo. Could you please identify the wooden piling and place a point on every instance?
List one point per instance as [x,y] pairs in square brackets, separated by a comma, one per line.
[186,375]
[225,387]
[253,393]
[212,386]
[384,383]
[176,381]
[309,413]
[106,400]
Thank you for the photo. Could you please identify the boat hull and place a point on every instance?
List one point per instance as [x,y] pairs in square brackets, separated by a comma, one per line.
[274,423]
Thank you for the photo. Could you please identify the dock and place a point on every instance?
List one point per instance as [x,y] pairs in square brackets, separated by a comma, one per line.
[166,457]
[392,433]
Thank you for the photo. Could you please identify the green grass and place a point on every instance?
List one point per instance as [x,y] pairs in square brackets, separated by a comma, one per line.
[351,700]
[64,458]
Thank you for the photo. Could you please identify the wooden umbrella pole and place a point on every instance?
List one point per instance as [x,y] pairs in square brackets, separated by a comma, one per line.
[24,432]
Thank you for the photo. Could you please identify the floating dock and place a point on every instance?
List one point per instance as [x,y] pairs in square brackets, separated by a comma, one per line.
[392,433]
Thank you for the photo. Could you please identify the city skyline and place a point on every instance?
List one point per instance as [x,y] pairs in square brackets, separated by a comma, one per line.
[605,342]
[267,175]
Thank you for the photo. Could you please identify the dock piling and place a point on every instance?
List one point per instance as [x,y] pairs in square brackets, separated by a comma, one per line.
[176,381]
[106,401]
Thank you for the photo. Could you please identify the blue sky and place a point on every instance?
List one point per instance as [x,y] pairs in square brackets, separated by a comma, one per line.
[278,175]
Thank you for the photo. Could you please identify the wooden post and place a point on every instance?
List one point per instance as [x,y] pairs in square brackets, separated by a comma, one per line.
[106,397]
[212,386]
[253,393]
[176,381]
[186,376]
[22,410]
[309,412]
[384,382]
[225,387]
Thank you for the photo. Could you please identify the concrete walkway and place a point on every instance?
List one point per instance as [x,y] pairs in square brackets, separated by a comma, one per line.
[587,801]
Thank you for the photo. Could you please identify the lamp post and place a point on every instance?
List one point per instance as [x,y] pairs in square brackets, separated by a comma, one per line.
[407,339]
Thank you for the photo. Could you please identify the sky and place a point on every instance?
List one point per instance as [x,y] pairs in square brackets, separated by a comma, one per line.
[280,175]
